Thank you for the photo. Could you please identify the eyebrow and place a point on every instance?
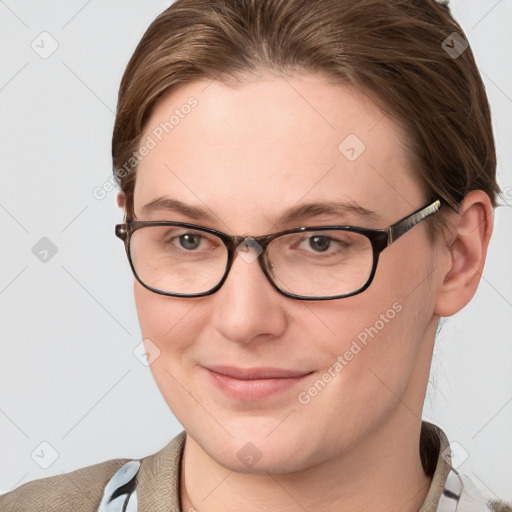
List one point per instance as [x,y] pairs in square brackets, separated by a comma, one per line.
[292,214]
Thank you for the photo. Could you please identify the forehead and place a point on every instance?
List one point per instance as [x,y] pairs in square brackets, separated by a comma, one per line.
[247,152]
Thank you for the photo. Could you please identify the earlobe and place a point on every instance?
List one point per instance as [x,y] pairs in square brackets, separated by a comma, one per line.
[121,200]
[464,252]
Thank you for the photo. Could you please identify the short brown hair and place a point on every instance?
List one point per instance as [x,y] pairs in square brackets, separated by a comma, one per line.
[391,50]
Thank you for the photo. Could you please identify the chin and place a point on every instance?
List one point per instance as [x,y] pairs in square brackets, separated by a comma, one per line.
[255,448]
[262,458]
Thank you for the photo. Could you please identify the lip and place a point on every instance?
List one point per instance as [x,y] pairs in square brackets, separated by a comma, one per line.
[254,383]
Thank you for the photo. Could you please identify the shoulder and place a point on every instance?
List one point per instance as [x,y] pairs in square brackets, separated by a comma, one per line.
[85,489]
[472,499]
[79,490]
[450,490]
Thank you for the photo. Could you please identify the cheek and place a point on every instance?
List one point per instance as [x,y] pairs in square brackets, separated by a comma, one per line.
[166,321]
[365,371]
[168,334]
[368,337]
[376,349]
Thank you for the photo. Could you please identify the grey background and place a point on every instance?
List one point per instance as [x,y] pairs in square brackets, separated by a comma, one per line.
[69,377]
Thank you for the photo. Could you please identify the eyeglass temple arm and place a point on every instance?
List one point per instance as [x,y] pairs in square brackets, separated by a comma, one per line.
[397,230]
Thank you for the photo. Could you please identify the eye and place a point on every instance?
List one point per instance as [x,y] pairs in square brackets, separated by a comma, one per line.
[189,241]
[182,240]
[319,243]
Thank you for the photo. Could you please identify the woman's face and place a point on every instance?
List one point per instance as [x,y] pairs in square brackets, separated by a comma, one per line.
[245,155]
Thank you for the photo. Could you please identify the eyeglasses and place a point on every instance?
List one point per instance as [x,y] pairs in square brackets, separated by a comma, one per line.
[309,263]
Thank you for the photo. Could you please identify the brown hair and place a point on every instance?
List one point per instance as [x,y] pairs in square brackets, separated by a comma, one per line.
[391,50]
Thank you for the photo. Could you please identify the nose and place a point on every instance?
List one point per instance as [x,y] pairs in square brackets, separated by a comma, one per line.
[247,306]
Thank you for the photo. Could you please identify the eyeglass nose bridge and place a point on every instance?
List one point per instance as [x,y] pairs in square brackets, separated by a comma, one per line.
[249,249]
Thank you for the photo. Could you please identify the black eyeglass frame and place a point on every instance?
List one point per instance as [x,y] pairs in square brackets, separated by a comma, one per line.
[379,239]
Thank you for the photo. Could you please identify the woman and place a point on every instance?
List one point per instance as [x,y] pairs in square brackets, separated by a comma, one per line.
[310,188]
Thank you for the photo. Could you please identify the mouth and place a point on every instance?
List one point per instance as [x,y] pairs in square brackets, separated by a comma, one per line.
[254,383]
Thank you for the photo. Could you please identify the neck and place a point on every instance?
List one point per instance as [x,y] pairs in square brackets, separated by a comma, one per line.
[383,475]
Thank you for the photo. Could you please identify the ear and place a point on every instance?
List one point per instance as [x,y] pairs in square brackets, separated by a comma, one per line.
[121,200]
[464,249]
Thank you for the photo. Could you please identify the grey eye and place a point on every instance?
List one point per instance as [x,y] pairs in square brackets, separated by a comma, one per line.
[190,241]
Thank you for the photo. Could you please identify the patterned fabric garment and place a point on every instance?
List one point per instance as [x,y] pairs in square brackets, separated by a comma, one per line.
[120,492]
[459,495]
